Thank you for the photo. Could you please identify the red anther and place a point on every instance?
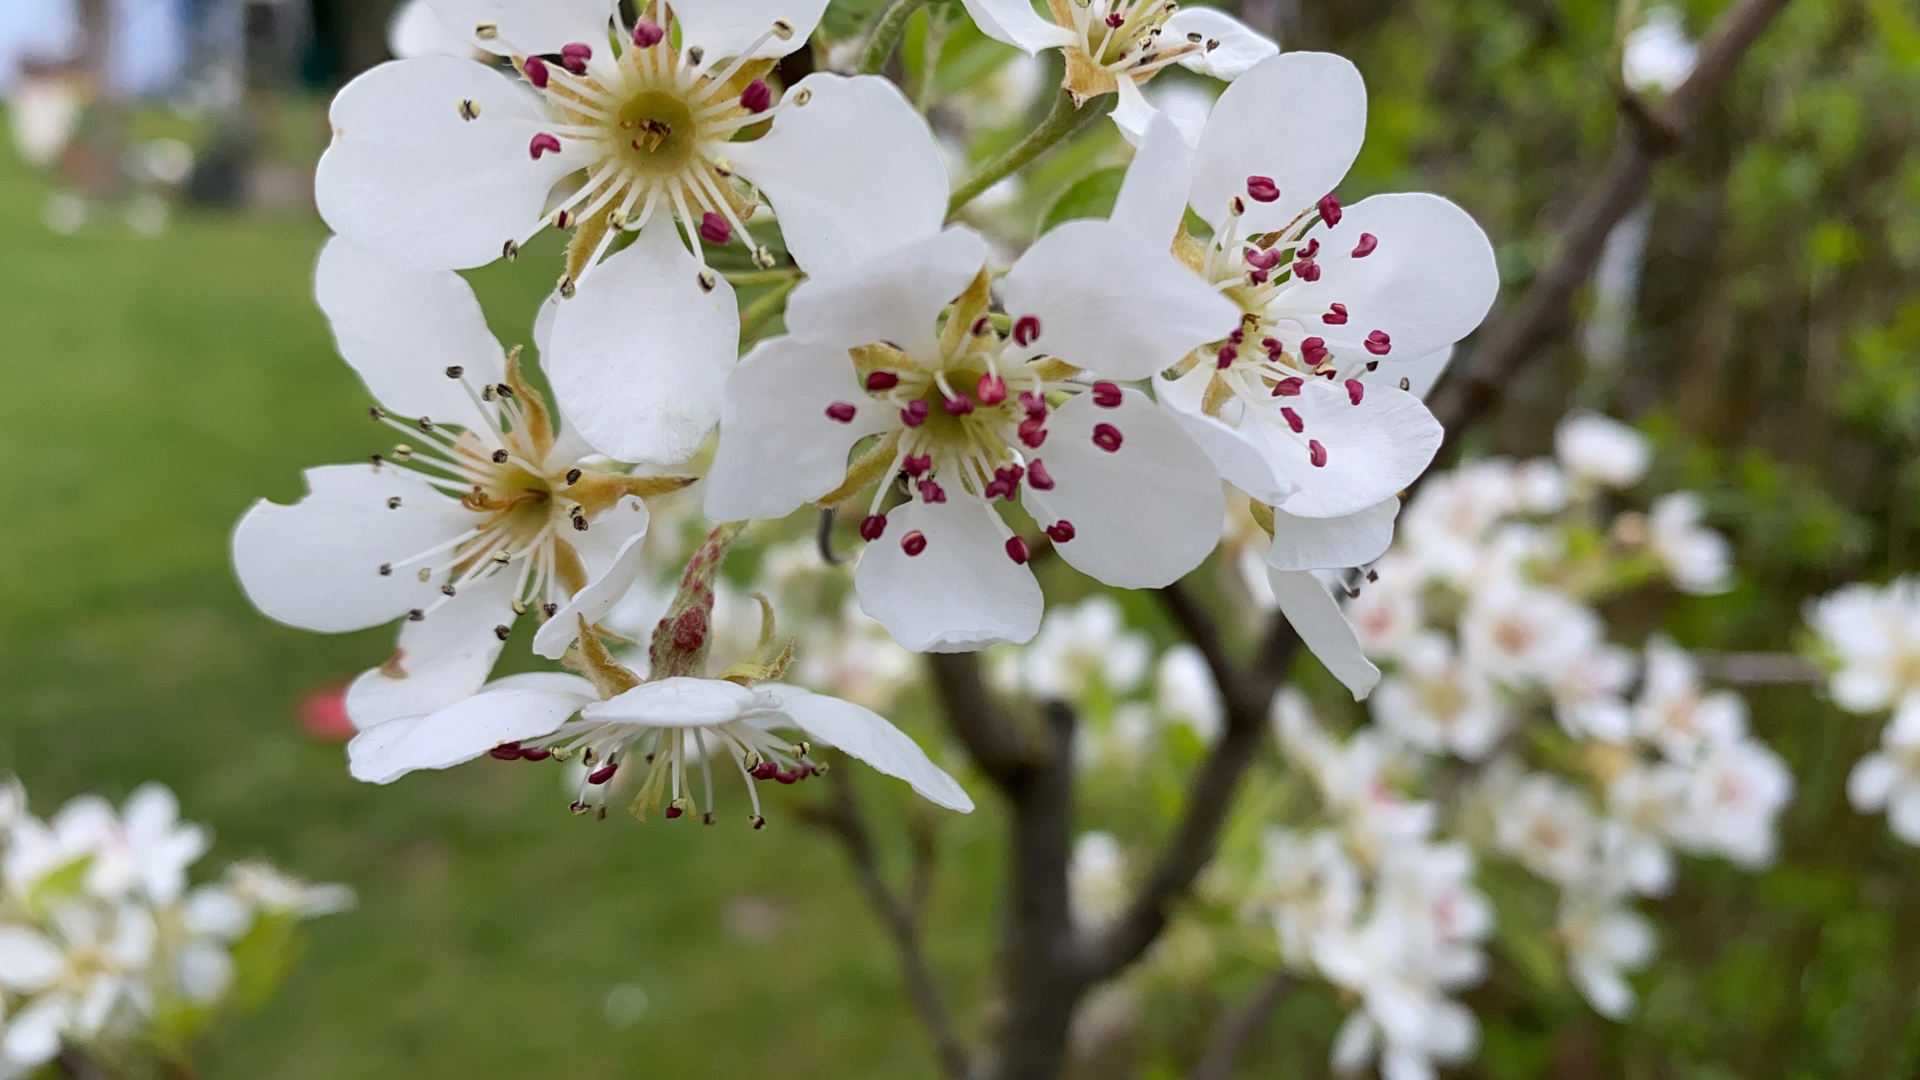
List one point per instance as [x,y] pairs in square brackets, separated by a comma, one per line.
[1378,343]
[1228,354]
[673,812]
[1330,211]
[690,630]
[506,752]
[1287,387]
[1293,420]
[982,324]
[957,405]
[1258,277]
[915,413]
[1038,478]
[1025,330]
[765,770]
[1313,350]
[1017,550]
[1106,437]
[1106,395]
[915,464]
[537,753]
[1035,405]
[1316,453]
[647,34]
[882,380]
[543,143]
[757,97]
[574,57]
[1262,188]
[1060,531]
[872,527]
[1306,270]
[1365,247]
[991,389]
[1005,483]
[788,776]
[1239,335]
[1336,317]
[842,411]
[715,229]
[1312,249]
[1116,20]
[604,773]
[1272,345]
[562,219]
[1356,390]
[1263,258]
[913,543]
[931,492]
[1033,433]
[536,72]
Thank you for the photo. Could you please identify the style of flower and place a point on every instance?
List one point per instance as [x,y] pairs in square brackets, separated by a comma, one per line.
[484,512]
[960,414]
[1115,46]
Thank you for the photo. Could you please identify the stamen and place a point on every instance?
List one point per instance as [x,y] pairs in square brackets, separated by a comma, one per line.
[1228,354]
[536,72]
[931,492]
[843,411]
[647,34]
[1336,317]
[1330,211]
[1106,395]
[715,229]
[914,542]
[882,380]
[1262,189]
[574,56]
[1060,531]
[1025,330]
[1017,550]
[1313,350]
[1288,387]
[1368,242]
[914,465]
[1316,453]
[873,527]
[543,143]
[1378,343]
[1106,437]
[757,97]
[915,413]
[1355,390]
[1293,420]
[991,389]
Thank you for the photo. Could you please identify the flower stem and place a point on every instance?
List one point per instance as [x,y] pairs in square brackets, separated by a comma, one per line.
[1063,120]
[885,35]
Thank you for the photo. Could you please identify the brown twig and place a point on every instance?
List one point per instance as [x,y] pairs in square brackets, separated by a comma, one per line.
[843,817]
[1000,748]
[1651,133]
[1238,1026]
[1757,668]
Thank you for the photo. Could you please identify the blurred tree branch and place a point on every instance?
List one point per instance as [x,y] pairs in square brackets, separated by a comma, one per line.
[1239,1025]
[1650,133]
[843,816]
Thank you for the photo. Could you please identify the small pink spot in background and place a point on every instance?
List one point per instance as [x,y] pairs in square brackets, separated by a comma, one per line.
[323,713]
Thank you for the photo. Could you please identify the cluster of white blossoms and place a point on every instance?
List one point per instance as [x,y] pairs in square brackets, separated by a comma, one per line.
[1483,617]
[1869,638]
[966,416]
[104,947]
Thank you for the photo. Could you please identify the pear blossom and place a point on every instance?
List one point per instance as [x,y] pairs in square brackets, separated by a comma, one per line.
[1889,778]
[1078,647]
[1185,691]
[1659,55]
[1310,886]
[958,415]
[1548,826]
[1096,878]
[1675,715]
[1440,704]
[1600,450]
[482,512]
[81,976]
[1697,559]
[1587,693]
[1604,942]
[1733,797]
[1520,633]
[1872,638]
[1115,46]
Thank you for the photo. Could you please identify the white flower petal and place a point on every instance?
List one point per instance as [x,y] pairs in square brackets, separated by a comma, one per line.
[33,1036]
[1016,23]
[408,177]
[601,543]
[440,659]
[1239,458]
[1144,515]
[1427,284]
[1132,113]
[895,297]
[1298,119]
[961,593]
[1322,628]
[1229,48]
[527,27]
[852,174]
[1111,304]
[1153,197]
[728,28]
[1871,783]
[602,593]
[778,447]
[678,701]
[316,564]
[868,736]
[512,709]
[28,961]
[1332,543]
[1421,375]
[414,30]
[1903,817]
[401,329]
[641,351]
[1374,449]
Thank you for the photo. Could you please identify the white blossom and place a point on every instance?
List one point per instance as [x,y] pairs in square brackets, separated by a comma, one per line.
[1599,450]
[1697,559]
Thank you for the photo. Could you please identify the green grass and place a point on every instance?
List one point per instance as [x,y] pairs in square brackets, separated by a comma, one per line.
[154,389]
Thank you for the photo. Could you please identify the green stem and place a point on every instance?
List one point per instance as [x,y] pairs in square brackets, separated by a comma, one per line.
[930,58]
[1063,120]
[754,315]
[760,277]
[885,35]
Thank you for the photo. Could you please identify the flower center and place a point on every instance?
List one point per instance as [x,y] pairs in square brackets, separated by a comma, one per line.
[655,133]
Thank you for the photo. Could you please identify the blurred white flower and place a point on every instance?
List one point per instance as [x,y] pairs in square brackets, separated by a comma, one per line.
[1599,449]
[1889,778]
[1309,887]
[1697,559]
[1078,647]
[414,30]
[1549,826]
[1659,55]
[1736,792]
[1184,691]
[1674,714]
[1439,704]
[1096,879]
[82,973]
[1586,694]
[1387,614]
[1604,942]
[1873,635]
[1522,634]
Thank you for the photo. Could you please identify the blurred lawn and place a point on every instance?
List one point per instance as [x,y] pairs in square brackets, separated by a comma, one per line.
[157,387]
